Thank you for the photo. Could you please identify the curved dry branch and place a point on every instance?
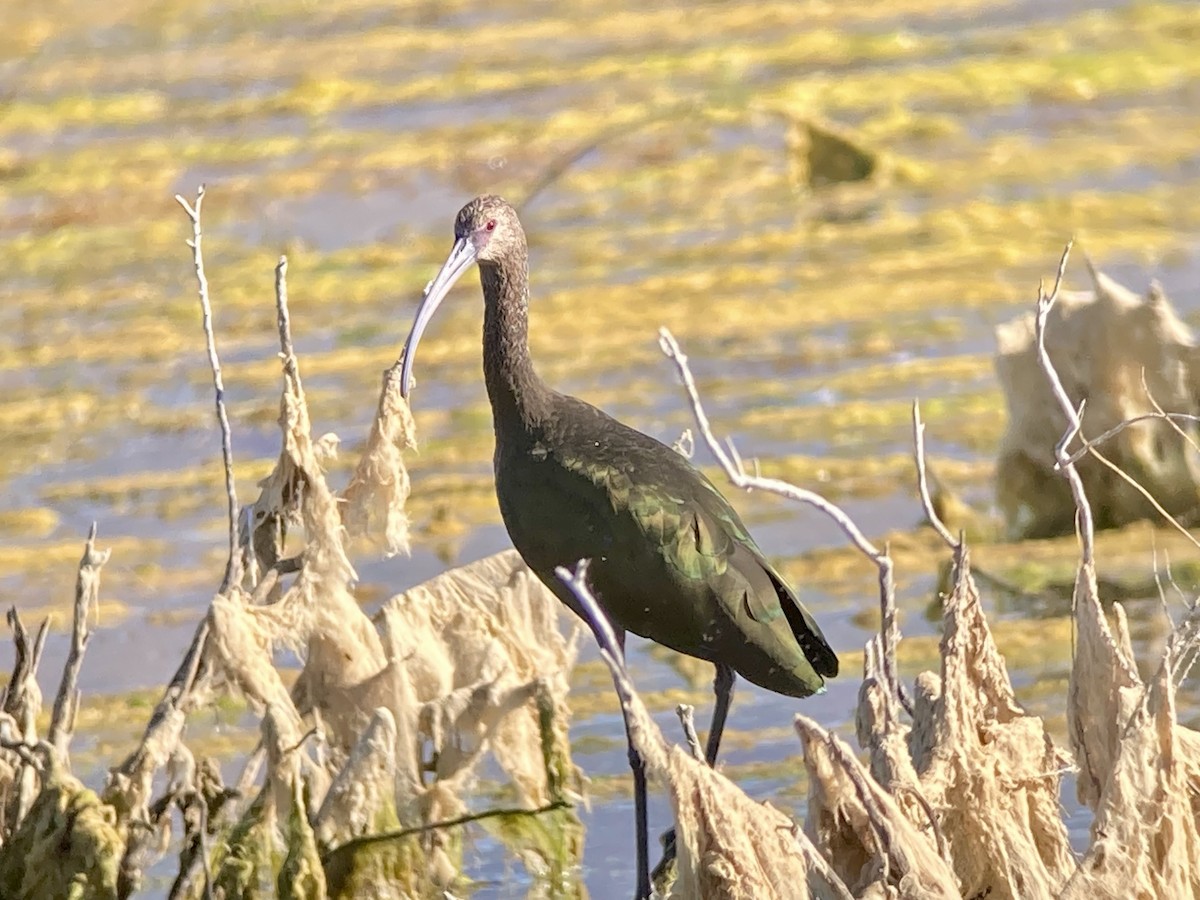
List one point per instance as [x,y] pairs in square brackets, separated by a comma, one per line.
[735,469]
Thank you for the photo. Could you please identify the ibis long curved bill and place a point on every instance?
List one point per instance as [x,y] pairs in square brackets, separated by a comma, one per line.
[462,255]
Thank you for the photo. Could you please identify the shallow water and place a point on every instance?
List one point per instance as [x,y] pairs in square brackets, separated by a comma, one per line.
[348,134]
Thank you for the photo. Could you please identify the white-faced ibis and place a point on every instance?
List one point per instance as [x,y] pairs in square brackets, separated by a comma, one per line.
[670,558]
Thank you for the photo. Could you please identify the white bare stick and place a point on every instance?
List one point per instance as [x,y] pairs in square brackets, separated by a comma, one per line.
[606,638]
[687,718]
[87,596]
[1172,418]
[233,566]
[1150,498]
[923,480]
[736,471]
[1085,525]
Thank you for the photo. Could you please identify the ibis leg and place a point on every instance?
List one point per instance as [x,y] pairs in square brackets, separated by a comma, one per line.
[723,689]
[641,823]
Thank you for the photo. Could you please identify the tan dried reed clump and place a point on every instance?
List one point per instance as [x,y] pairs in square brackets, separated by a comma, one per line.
[367,755]
[1139,769]
[457,668]
[977,775]
[1130,356]
[374,500]
[961,802]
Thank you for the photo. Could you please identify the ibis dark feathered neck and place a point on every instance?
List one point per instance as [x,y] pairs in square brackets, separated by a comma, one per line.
[487,232]
[514,388]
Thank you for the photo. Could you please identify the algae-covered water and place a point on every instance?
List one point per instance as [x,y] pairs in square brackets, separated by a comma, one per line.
[348,133]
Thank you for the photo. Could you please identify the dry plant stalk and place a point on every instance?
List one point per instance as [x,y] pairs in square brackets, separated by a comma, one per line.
[857,825]
[20,705]
[1139,768]
[1146,840]
[87,598]
[55,835]
[129,784]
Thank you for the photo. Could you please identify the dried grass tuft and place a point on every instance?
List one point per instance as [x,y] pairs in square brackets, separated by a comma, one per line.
[376,495]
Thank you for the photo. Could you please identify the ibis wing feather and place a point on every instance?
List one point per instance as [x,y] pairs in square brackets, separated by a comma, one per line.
[650,496]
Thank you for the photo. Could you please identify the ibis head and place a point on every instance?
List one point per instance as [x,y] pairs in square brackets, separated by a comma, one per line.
[486,231]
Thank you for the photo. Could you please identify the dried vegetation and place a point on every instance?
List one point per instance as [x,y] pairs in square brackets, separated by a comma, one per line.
[958,794]
[361,778]
[360,782]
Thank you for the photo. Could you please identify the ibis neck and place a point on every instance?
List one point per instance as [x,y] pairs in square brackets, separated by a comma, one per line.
[516,392]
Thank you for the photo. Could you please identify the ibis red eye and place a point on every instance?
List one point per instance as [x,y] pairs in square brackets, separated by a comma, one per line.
[491,225]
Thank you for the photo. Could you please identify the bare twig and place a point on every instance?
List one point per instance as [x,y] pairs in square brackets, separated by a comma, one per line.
[368,840]
[22,703]
[687,718]
[1172,418]
[283,318]
[610,648]
[923,480]
[1086,526]
[1136,485]
[875,821]
[233,566]
[23,680]
[736,471]
[87,591]
[164,730]
[26,751]
[938,835]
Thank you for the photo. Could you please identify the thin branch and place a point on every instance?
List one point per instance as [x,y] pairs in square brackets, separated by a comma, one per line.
[87,596]
[24,671]
[368,840]
[183,683]
[923,480]
[939,837]
[687,718]
[736,471]
[1085,524]
[233,566]
[610,648]
[316,732]
[1173,418]
[853,771]
[25,750]
[1136,485]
